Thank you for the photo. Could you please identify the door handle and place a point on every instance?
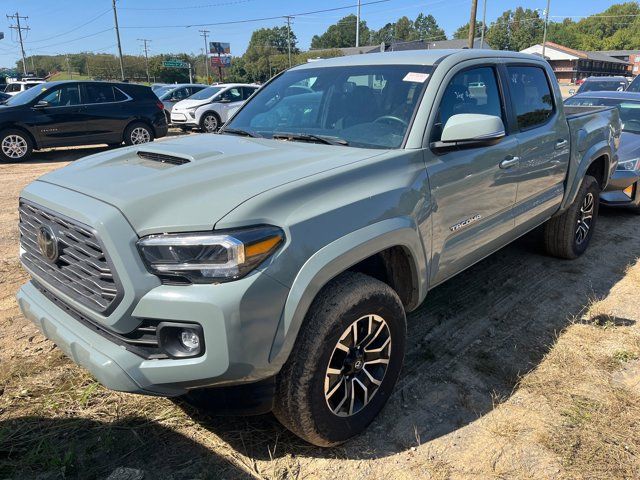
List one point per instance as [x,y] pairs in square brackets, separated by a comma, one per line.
[561,143]
[509,162]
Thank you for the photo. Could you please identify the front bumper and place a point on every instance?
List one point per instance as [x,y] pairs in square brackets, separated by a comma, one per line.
[183,118]
[613,194]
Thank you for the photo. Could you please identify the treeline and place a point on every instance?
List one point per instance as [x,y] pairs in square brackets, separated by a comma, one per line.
[618,27]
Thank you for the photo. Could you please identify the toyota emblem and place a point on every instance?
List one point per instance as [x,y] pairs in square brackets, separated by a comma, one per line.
[48,243]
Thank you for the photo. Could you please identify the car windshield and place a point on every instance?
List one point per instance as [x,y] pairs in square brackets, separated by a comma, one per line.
[27,96]
[629,109]
[602,86]
[161,91]
[205,93]
[363,106]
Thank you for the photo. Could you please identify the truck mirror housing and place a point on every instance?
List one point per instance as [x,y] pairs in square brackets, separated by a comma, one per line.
[472,127]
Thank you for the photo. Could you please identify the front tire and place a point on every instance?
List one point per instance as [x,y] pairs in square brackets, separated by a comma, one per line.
[568,235]
[210,122]
[138,133]
[15,146]
[345,363]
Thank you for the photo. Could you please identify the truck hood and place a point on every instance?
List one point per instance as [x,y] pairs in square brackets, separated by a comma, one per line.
[219,172]
[629,146]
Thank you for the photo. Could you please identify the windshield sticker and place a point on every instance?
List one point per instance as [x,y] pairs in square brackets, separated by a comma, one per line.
[416,77]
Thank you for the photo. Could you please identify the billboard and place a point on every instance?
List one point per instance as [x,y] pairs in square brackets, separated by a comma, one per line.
[221,61]
[220,48]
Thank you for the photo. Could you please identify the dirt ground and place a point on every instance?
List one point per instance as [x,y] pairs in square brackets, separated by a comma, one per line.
[524,366]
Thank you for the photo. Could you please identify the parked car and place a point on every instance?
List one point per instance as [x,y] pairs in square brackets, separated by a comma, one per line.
[17,87]
[624,187]
[208,109]
[599,84]
[156,86]
[274,262]
[63,114]
[635,85]
[169,95]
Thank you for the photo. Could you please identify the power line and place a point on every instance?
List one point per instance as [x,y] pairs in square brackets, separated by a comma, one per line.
[70,31]
[209,5]
[19,29]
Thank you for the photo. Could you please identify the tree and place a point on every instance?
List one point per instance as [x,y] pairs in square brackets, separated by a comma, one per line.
[341,34]
[462,33]
[516,30]
[276,37]
[426,28]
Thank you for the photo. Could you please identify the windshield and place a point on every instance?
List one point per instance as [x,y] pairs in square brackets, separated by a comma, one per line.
[161,91]
[629,110]
[205,94]
[365,106]
[603,86]
[27,96]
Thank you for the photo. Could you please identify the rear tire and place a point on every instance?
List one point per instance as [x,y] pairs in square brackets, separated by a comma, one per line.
[335,382]
[568,235]
[210,122]
[15,146]
[138,133]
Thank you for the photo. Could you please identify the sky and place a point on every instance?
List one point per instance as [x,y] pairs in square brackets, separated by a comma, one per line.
[70,26]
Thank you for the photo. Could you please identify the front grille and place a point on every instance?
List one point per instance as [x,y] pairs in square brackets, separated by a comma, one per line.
[82,269]
[162,158]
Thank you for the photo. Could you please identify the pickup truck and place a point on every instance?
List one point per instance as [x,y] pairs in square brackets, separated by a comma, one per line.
[274,263]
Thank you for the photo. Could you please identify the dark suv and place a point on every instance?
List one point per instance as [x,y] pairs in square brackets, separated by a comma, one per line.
[63,114]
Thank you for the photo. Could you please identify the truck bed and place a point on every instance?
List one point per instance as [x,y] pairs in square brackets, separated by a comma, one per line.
[575,111]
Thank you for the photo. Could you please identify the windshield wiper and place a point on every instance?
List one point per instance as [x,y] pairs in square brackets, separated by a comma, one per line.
[308,137]
[238,131]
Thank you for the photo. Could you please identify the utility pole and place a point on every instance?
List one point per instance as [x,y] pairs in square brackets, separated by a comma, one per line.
[146,56]
[358,25]
[472,22]
[288,17]
[204,33]
[115,19]
[19,29]
[546,21]
[66,57]
[484,22]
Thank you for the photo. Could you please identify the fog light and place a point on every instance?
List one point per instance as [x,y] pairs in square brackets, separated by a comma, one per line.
[189,339]
[628,191]
[180,340]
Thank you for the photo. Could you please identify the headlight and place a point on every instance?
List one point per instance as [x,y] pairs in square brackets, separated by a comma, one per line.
[209,257]
[629,165]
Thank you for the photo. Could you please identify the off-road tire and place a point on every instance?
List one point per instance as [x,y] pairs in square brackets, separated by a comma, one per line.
[560,233]
[203,121]
[300,402]
[131,130]
[21,140]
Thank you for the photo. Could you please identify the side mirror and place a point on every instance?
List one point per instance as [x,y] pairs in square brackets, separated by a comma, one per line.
[224,100]
[472,128]
[41,104]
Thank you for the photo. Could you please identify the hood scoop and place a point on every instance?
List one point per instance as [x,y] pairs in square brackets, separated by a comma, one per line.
[163,157]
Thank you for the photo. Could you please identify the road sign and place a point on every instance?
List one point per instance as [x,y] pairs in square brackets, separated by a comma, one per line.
[220,48]
[221,61]
[175,64]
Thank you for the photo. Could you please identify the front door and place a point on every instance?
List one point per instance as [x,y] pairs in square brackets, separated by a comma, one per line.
[59,120]
[473,190]
[230,100]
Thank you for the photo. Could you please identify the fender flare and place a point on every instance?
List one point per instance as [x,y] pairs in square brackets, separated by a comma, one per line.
[598,150]
[337,257]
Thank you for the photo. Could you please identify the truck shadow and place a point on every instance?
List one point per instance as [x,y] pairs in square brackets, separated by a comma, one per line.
[469,343]
[51,448]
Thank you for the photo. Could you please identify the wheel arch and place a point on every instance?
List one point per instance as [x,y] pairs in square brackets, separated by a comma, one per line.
[22,129]
[388,250]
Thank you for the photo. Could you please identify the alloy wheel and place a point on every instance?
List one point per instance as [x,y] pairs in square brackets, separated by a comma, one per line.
[14,146]
[140,135]
[210,123]
[357,365]
[585,217]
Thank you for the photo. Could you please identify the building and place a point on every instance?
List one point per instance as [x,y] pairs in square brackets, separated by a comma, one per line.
[632,57]
[571,65]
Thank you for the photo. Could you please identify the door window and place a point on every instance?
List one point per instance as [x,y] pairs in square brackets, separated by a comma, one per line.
[179,94]
[64,96]
[248,91]
[233,95]
[12,87]
[469,91]
[531,94]
[96,93]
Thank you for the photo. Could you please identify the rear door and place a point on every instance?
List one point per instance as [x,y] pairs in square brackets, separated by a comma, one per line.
[59,121]
[543,135]
[105,119]
[473,189]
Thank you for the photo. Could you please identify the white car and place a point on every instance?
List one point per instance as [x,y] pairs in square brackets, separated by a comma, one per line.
[210,108]
[16,87]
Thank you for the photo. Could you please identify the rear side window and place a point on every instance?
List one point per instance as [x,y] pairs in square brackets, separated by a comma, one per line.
[531,96]
[96,93]
[469,91]
[119,95]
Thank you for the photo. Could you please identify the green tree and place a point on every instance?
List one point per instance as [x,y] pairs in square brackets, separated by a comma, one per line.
[462,33]
[341,34]
[426,28]
[516,30]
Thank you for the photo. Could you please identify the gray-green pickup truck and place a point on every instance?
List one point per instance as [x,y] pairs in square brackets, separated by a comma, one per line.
[273,263]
